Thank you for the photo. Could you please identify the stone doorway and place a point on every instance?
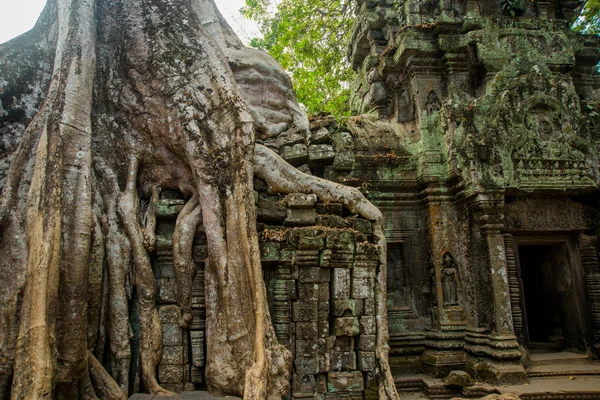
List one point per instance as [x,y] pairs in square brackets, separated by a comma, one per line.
[552,296]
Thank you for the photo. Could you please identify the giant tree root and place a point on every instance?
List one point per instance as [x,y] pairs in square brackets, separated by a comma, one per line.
[118,261]
[103,383]
[183,262]
[283,178]
[151,334]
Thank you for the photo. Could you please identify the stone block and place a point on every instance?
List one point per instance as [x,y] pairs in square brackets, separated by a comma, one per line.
[172,335]
[368,325]
[170,374]
[307,330]
[367,342]
[459,378]
[323,310]
[287,254]
[306,348]
[306,238]
[324,288]
[271,212]
[308,291]
[196,375]
[340,241]
[323,327]
[172,355]
[280,289]
[332,221]
[269,252]
[364,272]
[319,154]
[340,284]
[198,319]
[307,258]
[324,275]
[344,308]
[200,253]
[300,217]
[303,384]
[320,136]
[309,275]
[321,381]
[168,292]
[362,225]
[197,346]
[296,154]
[289,138]
[300,200]
[306,365]
[369,306]
[325,258]
[331,208]
[366,361]
[169,314]
[344,160]
[345,381]
[343,343]
[165,266]
[360,307]
[346,326]
[343,361]
[363,288]
[304,311]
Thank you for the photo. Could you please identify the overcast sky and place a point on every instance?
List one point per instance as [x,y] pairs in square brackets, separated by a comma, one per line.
[20,16]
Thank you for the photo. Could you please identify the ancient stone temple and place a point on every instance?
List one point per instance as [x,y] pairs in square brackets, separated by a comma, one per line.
[479,142]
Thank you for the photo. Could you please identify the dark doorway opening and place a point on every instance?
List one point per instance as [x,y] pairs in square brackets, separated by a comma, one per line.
[550,297]
[541,303]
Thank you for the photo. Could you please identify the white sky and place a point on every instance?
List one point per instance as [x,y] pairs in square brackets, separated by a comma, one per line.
[19,16]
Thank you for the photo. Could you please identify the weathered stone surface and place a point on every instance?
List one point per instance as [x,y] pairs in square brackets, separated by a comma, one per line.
[368,325]
[304,311]
[367,361]
[459,378]
[367,342]
[300,217]
[345,381]
[346,326]
[363,288]
[340,284]
[320,154]
[344,308]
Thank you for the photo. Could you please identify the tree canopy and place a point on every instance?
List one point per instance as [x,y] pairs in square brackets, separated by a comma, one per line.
[589,20]
[309,39]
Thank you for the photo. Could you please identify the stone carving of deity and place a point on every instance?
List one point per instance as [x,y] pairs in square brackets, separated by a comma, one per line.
[449,280]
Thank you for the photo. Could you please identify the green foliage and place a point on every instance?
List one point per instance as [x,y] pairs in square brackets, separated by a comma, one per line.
[512,7]
[309,38]
[589,20]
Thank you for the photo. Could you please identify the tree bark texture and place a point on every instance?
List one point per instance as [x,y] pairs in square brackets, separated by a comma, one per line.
[103,104]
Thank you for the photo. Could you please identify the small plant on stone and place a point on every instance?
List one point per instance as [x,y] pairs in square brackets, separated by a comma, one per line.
[514,8]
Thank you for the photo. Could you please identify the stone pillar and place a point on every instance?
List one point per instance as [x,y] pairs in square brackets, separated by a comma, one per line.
[591,267]
[491,222]
[514,287]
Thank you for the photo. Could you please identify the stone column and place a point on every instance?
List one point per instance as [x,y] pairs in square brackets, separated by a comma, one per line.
[591,267]
[514,287]
[491,222]
[501,345]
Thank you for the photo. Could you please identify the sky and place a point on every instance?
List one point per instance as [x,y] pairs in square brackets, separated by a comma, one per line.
[20,16]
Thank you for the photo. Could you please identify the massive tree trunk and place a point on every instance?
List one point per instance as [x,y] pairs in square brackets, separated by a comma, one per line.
[105,103]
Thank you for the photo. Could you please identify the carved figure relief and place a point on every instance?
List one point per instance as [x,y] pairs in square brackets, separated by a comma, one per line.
[449,281]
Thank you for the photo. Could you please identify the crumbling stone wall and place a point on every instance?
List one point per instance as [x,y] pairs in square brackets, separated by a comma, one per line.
[319,267]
